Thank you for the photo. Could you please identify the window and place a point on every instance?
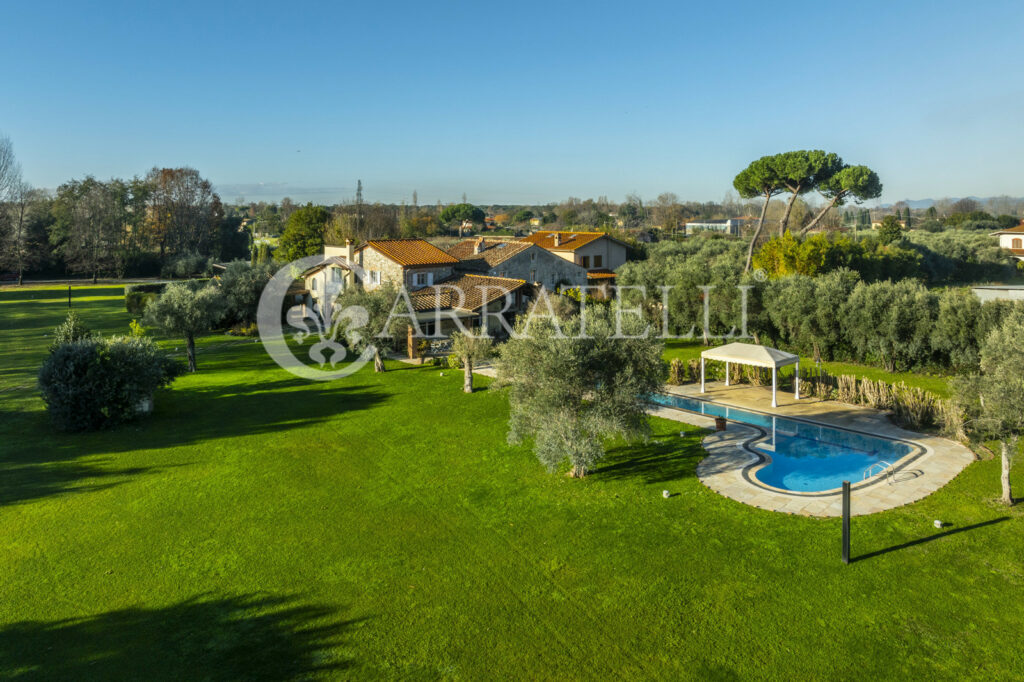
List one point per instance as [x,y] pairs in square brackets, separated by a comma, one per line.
[427,328]
[374,276]
[422,279]
[335,274]
[314,284]
[1016,244]
[585,261]
[533,275]
[597,261]
[533,255]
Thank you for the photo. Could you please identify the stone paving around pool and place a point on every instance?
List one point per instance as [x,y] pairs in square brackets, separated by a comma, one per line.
[727,469]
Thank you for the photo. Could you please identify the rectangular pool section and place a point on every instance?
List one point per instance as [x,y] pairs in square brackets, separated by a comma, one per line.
[805,457]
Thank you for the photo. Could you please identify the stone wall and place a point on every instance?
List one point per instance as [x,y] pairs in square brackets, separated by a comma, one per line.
[539,265]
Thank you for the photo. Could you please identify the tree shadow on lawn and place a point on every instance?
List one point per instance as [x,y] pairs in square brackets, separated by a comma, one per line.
[662,459]
[21,483]
[196,415]
[936,536]
[38,462]
[228,638]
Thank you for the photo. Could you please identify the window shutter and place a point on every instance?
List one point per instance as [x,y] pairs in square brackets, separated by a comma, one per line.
[430,278]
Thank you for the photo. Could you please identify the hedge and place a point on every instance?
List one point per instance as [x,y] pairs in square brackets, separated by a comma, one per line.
[146,287]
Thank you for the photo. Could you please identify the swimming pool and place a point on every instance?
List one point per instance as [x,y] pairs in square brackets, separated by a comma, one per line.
[805,457]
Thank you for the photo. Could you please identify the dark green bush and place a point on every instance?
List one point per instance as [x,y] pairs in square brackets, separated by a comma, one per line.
[147,287]
[135,302]
[95,383]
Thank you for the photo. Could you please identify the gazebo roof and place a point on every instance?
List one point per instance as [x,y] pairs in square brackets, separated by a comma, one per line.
[751,354]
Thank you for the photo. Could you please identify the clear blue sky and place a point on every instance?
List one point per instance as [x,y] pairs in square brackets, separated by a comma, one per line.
[514,102]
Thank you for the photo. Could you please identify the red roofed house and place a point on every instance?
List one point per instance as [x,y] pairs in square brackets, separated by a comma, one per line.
[1013,240]
[596,252]
[429,275]
[519,260]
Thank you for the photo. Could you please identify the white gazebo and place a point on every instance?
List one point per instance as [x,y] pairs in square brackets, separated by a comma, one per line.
[758,356]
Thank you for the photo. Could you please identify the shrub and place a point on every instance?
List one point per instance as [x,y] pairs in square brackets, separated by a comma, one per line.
[94,383]
[876,394]
[914,407]
[70,330]
[693,369]
[846,385]
[187,265]
[245,329]
[135,302]
[676,372]
[148,287]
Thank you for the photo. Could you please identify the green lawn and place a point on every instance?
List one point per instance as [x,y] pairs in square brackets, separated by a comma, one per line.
[937,384]
[379,526]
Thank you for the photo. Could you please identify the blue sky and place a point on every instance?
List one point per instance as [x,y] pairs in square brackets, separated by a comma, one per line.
[514,102]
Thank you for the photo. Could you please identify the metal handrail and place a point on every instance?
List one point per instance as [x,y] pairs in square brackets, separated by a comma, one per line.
[887,469]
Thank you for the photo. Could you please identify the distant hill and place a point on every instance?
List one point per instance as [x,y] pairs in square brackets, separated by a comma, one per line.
[917,204]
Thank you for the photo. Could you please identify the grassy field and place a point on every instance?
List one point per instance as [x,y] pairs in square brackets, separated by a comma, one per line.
[379,526]
[939,385]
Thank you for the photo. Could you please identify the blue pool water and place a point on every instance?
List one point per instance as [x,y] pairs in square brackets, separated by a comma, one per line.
[805,457]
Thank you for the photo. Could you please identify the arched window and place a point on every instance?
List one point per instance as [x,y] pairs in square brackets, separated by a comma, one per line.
[1016,243]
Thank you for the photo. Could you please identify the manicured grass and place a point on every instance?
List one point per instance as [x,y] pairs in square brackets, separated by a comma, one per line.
[261,526]
[937,384]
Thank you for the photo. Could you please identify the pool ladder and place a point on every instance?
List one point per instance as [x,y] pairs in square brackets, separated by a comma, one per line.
[887,468]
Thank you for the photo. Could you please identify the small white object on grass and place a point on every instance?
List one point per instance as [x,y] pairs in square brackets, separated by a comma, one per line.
[666,494]
[938,524]
[442,373]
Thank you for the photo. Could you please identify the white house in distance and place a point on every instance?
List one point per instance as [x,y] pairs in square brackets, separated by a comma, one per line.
[731,226]
[1012,240]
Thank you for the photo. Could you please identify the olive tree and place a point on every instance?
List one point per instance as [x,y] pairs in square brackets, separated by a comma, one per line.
[470,349]
[575,382]
[991,399]
[242,285]
[387,313]
[187,309]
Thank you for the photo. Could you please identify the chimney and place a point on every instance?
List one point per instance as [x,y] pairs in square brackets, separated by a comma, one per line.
[478,247]
[349,251]
[557,236]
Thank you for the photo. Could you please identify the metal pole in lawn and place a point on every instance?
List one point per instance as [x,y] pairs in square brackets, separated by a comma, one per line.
[846,522]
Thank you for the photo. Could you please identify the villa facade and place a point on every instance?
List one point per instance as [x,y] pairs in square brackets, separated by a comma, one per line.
[1012,240]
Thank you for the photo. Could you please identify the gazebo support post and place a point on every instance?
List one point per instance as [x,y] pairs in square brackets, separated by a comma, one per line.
[727,373]
[702,375]
[775,383]
[796,382]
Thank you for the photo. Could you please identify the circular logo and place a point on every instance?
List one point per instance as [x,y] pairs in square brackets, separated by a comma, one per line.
[760,275]
[335,333]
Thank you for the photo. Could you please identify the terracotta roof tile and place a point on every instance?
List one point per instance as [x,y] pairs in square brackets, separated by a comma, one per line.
[411,252]
[570,241]
[495,251]
[600,273]
[476,291]
[1019,229]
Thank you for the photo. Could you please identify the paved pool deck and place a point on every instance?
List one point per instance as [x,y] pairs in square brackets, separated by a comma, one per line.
[730,464]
